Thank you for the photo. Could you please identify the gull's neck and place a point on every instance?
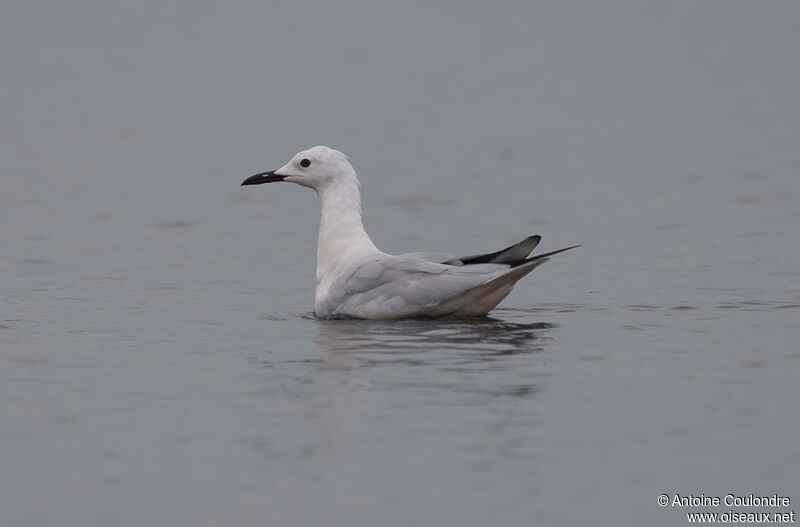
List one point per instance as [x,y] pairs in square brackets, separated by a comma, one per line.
[341,228]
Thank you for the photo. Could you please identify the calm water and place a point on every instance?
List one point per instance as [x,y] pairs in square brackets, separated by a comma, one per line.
[159,364]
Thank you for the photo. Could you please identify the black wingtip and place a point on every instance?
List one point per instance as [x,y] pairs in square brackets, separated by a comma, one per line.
[545,255]
[512,255]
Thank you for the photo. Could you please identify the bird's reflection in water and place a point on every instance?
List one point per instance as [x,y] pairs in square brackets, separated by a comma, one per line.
[455,344]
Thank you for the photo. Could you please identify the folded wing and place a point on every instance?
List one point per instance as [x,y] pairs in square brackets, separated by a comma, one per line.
[412,285]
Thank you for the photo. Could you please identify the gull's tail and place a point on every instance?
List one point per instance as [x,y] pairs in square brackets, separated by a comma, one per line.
[481,299]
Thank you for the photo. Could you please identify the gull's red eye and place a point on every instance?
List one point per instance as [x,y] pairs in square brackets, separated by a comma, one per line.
[305,163]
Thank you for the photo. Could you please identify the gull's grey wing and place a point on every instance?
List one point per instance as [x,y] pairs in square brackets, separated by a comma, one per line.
[401,285]
[513,255]
[387,286]
[431,257]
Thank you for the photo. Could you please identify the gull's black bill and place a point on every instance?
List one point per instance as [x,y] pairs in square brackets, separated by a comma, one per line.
[264,177]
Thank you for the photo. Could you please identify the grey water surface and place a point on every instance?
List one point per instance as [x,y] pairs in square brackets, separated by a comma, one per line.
[159,361]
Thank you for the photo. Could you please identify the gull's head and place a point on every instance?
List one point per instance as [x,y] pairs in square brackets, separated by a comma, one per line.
[317,168]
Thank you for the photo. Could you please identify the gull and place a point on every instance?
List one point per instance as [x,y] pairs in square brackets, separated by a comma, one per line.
[356,279]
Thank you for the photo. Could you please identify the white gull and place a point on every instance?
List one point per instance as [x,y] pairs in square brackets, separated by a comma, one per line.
[356,279]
